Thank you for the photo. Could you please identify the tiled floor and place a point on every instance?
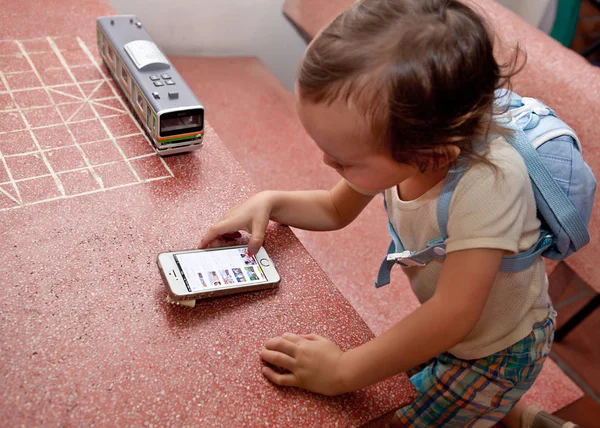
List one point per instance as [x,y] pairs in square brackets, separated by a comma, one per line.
[64,129]
[578,354]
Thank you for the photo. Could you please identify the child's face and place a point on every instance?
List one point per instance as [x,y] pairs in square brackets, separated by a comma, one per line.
[343,136]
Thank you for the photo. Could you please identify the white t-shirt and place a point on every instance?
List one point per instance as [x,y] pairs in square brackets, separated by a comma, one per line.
[488,210]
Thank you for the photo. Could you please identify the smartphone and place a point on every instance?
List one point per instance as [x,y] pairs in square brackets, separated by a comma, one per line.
[200,274]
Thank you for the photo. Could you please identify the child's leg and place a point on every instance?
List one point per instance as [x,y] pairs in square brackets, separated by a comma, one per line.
[459,393]
[525,416]
[513,418]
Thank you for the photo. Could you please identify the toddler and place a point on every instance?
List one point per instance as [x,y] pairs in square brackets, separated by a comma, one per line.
[396,93]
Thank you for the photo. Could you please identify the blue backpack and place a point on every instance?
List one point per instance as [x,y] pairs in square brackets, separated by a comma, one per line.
[563,184]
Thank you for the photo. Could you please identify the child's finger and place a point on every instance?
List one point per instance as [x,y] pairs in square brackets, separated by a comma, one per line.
[294,338]
[278,359]
[259,226]
[281,344]
[232,236]
[287,379]
[227,237]
[216,230]
[204,243]
[312,336]
[208,237]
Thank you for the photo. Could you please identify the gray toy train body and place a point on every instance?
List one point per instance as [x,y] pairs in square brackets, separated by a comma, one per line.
[165,105]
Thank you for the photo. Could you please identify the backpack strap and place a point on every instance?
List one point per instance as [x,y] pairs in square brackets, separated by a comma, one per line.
[524,260]
[562,208]
[385,269]
[443,207]
[436,248]
[395,247]
[515,263]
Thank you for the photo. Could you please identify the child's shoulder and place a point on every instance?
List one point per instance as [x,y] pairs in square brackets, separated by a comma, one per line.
[506,161]
[491,198]
[507,174]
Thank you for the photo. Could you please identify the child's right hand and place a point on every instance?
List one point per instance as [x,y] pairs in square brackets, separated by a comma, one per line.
[252,216]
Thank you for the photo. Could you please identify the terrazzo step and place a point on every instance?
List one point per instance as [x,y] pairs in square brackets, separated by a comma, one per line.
[255,116]
[310,16]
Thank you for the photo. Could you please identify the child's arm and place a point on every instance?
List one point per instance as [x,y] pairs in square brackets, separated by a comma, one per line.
[311,210]
[439,324]
[318,209]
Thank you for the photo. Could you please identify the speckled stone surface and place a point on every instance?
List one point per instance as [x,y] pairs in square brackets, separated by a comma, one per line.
[556,75]
[255,116]
[85,206]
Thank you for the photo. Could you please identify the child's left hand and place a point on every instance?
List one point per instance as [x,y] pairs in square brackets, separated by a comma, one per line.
[314,363]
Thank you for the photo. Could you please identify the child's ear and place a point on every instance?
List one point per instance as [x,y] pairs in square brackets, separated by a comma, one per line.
[441,157]
[453,152]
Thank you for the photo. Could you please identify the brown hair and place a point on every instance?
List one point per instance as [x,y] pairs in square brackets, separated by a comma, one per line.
[422,71]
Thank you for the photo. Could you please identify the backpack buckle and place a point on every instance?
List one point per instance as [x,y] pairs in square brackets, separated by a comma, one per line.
[404,259]
[535,106]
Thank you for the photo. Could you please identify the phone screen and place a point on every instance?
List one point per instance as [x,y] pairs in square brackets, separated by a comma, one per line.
[205,270]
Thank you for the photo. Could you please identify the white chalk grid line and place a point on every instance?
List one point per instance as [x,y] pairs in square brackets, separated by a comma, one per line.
[111,103]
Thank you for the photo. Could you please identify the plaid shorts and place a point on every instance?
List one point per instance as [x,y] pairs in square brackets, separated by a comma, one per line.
[476,393]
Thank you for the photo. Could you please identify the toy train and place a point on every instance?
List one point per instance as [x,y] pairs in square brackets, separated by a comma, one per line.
[165,105]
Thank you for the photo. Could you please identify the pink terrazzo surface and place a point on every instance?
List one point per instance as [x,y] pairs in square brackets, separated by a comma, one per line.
[86,337]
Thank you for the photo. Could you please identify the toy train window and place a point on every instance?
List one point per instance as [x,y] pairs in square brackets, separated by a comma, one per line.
[111,54]
[125,78]
[181,122]
[140,99]
[100,39]
[148,115]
